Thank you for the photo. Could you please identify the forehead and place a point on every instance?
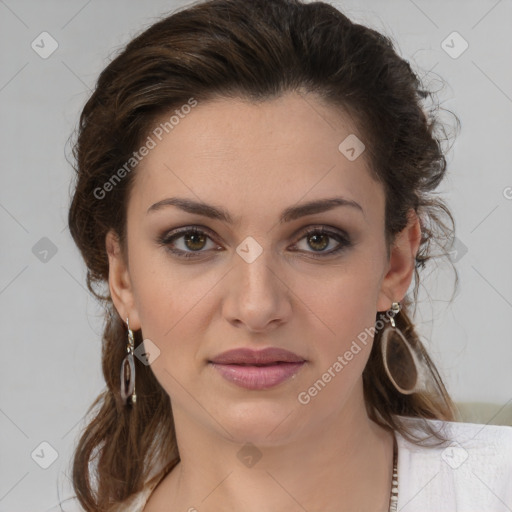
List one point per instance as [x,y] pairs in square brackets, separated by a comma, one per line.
[255,155]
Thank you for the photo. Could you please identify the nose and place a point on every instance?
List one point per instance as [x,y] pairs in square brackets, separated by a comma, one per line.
[257,296]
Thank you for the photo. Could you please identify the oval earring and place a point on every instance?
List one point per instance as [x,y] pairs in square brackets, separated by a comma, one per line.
[128,371]
[401,362]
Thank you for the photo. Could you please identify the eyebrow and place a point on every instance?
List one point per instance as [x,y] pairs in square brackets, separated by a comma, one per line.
[289,214]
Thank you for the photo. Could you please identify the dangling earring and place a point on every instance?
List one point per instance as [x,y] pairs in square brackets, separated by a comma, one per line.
[402,364]
[128,371]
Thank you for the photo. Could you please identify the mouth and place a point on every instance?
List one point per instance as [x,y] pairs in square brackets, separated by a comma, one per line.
[257,376]
[266,356]
[255,364]
[257,369]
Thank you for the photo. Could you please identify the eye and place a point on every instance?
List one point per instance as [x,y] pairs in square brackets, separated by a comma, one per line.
[193,243]
[319,238]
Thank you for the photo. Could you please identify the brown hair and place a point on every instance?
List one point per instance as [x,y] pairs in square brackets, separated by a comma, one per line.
[254,50]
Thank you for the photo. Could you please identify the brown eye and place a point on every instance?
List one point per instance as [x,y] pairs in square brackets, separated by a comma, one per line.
[191,240]
[318,239]
[195,241]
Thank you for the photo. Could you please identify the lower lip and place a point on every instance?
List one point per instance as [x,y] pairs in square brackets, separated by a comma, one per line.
[258,377]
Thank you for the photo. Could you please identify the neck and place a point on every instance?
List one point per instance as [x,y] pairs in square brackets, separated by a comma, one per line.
[327,466]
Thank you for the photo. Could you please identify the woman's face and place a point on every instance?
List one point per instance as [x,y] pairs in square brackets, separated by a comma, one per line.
[258,280]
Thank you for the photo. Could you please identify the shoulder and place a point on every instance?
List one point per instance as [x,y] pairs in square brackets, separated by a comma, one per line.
[471,469]
[479,438]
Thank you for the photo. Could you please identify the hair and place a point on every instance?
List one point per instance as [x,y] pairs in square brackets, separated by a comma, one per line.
[257,51]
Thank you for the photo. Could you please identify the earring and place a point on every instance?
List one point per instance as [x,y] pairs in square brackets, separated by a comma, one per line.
[128,371]
[401,363]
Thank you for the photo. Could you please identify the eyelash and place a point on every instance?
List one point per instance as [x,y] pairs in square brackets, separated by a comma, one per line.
[167,238]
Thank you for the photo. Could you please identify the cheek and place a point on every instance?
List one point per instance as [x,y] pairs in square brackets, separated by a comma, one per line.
[174,306]
[164,293]
[341,315]
[341,324]
[341,305]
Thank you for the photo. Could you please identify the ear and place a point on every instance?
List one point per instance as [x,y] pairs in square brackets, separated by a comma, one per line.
[119,282]
[401,264]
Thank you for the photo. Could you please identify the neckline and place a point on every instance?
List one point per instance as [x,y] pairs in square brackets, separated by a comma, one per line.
[393,496]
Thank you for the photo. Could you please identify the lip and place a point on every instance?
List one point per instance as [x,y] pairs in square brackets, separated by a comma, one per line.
[258,377]
[257,357]
[260,369]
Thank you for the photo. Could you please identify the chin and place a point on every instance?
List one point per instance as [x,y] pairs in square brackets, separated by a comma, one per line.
[259,423]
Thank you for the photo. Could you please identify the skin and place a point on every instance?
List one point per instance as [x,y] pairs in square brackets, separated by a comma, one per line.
[255,160]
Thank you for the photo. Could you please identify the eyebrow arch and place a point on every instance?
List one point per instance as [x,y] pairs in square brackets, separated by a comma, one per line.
[289,214]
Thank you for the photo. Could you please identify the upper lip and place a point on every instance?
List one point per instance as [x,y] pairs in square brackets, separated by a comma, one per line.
[249,356]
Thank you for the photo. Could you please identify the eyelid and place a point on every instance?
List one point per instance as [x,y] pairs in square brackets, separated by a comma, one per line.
[170,236]
[341,236]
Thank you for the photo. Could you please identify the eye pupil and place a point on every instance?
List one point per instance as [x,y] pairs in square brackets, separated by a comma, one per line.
[192,237]
[316,238]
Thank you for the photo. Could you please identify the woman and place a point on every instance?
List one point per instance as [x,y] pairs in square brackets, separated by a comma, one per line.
[255,186]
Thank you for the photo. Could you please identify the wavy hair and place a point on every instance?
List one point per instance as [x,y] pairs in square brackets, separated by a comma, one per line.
[255,50]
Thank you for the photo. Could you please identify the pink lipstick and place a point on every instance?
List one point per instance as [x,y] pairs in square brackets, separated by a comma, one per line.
[255,370]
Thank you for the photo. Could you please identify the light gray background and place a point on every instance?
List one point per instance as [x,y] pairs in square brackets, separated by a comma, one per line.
[51,328]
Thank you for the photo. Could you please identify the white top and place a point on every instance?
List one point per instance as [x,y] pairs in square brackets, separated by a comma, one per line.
[471,473]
